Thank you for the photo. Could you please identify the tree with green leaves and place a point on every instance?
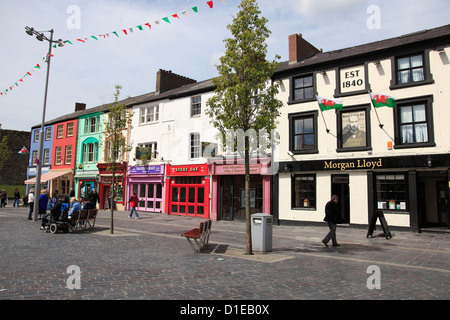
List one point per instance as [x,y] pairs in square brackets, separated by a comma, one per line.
[4,151]
[244,98]
[116,130]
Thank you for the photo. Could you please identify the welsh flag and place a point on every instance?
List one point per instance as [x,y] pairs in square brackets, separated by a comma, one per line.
[381,100]
[23,151]
[328,104]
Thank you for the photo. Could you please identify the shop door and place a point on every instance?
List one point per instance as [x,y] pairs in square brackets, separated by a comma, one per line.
[188,196]
[442,204]
[340,187]
[226,198]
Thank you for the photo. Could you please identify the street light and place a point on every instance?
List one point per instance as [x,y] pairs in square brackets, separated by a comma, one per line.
[40,36]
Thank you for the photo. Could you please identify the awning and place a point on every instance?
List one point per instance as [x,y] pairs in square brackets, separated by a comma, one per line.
[48,176]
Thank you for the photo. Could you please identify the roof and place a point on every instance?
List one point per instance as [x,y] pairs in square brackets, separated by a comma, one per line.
[431,37]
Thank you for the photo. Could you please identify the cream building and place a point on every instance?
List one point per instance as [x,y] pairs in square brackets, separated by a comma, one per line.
[391,159]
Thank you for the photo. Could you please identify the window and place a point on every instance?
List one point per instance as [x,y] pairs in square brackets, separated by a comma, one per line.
[60,131]
[354,129]
[196,106]
[149,114]
[46,156]
[411,70]
[303,132]
[147,151]
[58,154]
[414,125]
[68,156]
[302,88]
[90,152]
[304,191]
[34,158]
[70,129]
[195,145]
[48,134]
[92,125]
[36,136]
[391,192]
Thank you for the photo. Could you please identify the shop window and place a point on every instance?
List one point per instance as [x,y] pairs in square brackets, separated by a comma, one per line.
[303,133]
[414,123]
[391,192]
[304,192]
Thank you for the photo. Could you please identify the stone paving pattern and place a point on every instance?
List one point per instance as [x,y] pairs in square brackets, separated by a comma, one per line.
[148,259]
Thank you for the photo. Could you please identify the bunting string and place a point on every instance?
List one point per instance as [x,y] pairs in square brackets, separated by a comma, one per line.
[147,26]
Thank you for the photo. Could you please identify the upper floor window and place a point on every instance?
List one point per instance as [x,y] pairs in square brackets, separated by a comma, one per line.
[149,114]
[92,125]
[303,88]
[48,134]
[58,156]
[411,70]
[354,129]
[196,106]
[36,135]
[303,132]
[147,151]
[195,145]
[414,123]
[68,156]
[70,129]
[60,131]
[46,156]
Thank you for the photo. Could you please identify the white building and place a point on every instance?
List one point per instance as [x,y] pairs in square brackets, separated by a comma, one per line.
[397,161]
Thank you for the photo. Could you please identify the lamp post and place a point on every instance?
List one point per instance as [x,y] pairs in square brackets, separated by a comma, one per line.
[40,36]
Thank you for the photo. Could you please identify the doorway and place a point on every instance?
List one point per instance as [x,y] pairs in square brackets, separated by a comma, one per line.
[433,196]
[340,186]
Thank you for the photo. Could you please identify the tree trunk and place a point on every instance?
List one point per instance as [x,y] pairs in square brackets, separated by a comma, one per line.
[112,197]
[247,197]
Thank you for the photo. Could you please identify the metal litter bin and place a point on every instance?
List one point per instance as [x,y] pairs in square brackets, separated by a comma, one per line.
[261,225]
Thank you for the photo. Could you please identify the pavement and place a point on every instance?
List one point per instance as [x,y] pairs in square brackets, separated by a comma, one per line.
[147,259]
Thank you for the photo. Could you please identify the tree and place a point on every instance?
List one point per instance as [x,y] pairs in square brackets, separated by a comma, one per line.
[244,96]
[4,151]
[116,129]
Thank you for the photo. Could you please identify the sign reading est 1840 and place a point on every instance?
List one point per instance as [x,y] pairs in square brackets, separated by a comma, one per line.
[352,79]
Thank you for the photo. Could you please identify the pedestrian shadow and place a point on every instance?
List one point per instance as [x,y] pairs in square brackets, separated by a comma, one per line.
[344,248]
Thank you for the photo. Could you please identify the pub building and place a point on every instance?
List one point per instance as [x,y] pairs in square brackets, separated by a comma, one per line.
[394,158]
[147,181]
[228,188]
[187,190]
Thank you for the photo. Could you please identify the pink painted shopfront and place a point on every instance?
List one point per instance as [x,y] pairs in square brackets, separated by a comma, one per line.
[228,189]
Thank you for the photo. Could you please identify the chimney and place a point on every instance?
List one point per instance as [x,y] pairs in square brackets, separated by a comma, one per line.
[80,106]
[166,80]
[300,49]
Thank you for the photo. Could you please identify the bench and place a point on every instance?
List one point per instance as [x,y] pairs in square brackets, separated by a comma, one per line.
[83,218]
[198,238]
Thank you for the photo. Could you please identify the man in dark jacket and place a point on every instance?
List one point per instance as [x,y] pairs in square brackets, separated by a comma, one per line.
[332,217]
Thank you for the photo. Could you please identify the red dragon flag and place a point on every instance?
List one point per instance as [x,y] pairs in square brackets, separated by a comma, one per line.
[381,100]
[23,151]
[329,104]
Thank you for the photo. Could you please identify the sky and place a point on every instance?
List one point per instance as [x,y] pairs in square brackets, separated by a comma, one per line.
[189,45]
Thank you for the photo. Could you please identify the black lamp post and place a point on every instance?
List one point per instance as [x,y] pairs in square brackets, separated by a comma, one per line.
[41,37]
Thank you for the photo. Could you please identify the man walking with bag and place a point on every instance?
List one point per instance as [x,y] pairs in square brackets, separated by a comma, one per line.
[332,217]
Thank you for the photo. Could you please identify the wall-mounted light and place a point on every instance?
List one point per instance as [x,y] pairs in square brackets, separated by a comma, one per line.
[377,62]
[323,72]
[429,162]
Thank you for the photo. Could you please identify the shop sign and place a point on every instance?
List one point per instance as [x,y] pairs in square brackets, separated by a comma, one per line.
[353,164]
[237,169]
[146,170]
[188,170]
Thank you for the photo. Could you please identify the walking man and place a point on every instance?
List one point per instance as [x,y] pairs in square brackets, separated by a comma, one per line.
[332,217]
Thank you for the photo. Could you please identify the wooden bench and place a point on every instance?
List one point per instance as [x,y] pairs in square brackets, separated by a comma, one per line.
[83,218]
[198,238]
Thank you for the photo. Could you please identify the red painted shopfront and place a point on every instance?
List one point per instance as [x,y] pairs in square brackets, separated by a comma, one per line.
[187,190]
